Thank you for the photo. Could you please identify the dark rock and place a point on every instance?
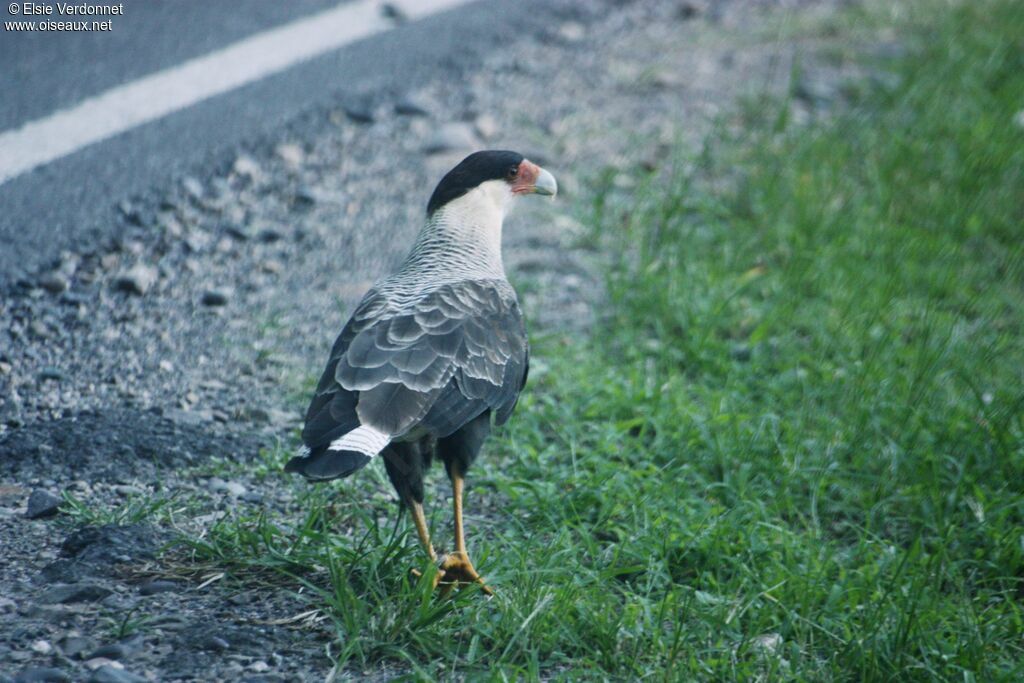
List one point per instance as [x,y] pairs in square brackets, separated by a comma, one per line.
[239,231]
[76,592]
[63,571]
[51,373]
[43,504]
[394,12]
[360,112]
[119,603]
[130,212]
[688,9]
[42,675]
[270,235]
[84,442]
[740,352]
[54,283]
[215,643]
[111,651]
[154,586]
[75,646]
[305,197]
[216,297]
[74,298]
[817,92]
[111,543]
[137,280]
[411,106]
[109,674]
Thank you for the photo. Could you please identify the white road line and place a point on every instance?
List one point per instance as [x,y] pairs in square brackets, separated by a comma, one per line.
[132,104]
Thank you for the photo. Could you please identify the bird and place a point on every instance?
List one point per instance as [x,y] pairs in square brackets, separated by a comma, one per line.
[433,355]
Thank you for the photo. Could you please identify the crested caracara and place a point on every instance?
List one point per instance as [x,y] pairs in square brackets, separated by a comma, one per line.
[433,353]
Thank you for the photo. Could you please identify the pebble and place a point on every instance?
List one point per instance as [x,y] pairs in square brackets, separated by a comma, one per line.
[411,105]
[7,605]
[43,647]
[154,586]
[272,266]
[193,188]
[215,643]
[39,329]
[42,503]
[270,235]
[305,197]
[259,666]
[247,167]
[486,126]
[42,675]
[54,283]
[452,136]
[219,296]
[688,9]
[572,31]
[768,643]
[51,373]
[97,662]
[137,280]
[75,592]
[359,112]
[233,488]
[111,674]
[393,12]
[109,261]
[191,418]
[112,651]
[291,154]
[126,490]
[75,646]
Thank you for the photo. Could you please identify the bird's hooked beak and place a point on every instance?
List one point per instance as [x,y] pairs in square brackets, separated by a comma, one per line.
[532,179]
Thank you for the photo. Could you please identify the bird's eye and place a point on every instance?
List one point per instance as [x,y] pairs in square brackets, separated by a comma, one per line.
[513,171]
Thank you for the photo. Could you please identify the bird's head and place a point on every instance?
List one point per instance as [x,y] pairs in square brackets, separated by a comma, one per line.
[491,179]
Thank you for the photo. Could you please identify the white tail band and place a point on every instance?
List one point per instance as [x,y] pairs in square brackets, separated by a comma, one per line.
[364,439]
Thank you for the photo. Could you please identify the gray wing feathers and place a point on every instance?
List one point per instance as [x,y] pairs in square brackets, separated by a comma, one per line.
[447,358]
[438,362]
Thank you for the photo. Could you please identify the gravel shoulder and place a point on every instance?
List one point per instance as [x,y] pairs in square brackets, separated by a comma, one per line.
[156,380]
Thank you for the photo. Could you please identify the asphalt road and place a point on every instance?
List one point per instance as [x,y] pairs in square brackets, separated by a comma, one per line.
[71,203]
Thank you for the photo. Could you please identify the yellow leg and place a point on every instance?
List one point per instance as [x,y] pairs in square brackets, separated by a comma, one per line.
[456,568]
[420,520]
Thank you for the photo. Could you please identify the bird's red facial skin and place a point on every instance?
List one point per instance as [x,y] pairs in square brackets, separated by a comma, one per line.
[526,179]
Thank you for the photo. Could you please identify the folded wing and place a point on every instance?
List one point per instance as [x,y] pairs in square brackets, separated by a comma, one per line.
[437,363]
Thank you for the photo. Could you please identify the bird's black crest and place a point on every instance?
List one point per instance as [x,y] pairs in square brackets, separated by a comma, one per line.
[477,168]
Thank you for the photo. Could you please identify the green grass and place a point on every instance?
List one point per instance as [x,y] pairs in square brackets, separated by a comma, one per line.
[794,448]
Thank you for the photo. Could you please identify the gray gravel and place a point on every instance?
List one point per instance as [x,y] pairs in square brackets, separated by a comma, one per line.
[126,368]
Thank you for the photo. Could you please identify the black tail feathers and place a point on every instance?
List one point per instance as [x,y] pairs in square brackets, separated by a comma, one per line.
[323,464]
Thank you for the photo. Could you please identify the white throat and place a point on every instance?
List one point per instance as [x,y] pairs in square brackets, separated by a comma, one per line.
[465,233]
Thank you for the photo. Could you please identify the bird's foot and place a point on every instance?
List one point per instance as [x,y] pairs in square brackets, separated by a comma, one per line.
[456,570]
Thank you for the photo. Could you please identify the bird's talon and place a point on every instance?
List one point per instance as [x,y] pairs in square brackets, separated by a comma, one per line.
[459,571]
